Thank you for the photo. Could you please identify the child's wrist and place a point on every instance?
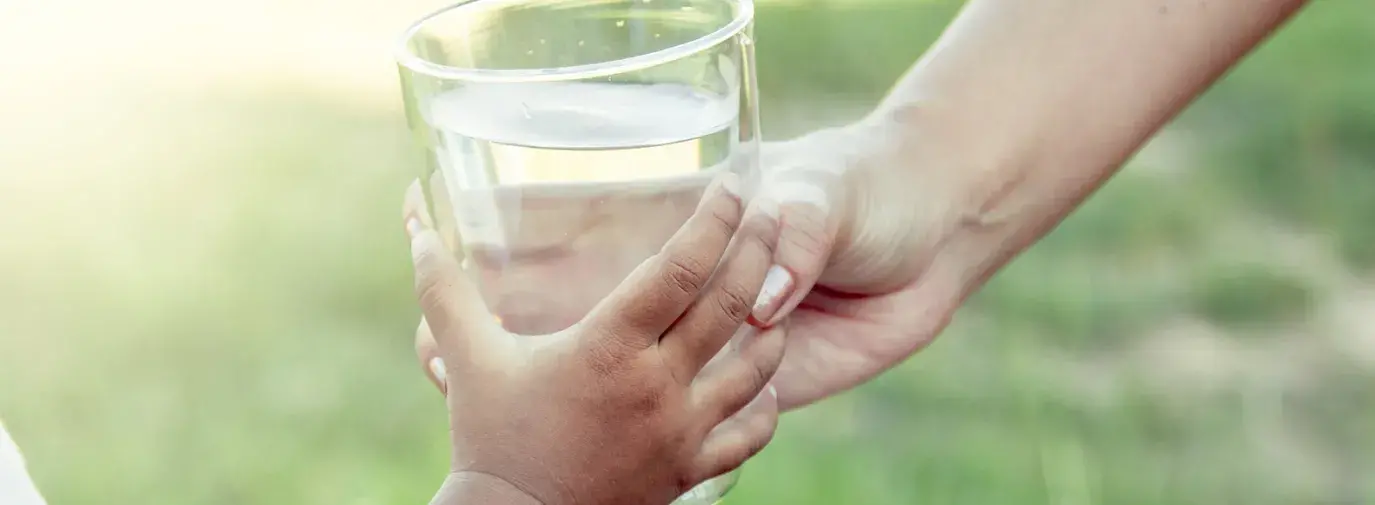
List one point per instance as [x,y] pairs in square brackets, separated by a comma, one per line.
[477,488]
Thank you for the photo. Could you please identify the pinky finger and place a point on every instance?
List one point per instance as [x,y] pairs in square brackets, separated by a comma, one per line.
[739,438]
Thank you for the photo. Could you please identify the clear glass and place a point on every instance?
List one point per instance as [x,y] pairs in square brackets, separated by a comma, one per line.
[568,139]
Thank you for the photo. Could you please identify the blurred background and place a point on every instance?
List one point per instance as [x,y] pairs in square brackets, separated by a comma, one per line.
[205,294]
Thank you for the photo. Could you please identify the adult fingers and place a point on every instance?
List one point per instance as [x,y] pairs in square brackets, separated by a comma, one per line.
[805,196]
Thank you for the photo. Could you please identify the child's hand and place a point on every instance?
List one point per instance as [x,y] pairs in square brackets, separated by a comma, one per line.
[622,407]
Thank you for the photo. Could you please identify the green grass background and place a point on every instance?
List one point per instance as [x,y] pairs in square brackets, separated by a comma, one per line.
[1201,332]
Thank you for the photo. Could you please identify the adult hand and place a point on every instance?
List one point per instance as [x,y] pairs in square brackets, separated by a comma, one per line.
[1010,120]
[866,214]
[626,406]
[865,275]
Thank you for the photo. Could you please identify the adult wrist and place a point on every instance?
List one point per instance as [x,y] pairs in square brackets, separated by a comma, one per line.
[888,213]
[974,183]
[477,488]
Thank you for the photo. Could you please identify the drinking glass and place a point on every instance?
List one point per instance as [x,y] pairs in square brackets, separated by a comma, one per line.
[567,140]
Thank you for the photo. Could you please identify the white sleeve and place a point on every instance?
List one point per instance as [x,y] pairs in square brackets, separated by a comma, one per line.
[16,488]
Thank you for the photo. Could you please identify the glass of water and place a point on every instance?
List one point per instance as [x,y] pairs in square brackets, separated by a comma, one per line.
[567,140]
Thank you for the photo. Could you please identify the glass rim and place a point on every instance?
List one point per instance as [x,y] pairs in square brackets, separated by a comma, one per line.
[409,60]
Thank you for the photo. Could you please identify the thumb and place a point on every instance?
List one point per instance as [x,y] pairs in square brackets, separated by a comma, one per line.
[463,328]
[806,192]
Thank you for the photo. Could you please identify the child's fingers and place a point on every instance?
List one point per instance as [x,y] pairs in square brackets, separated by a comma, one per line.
[661,288]
[460,322]
[427,351]
[729,383]
[728,299]
[739,438]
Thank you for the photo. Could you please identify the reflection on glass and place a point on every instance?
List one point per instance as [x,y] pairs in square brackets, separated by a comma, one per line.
[568,139]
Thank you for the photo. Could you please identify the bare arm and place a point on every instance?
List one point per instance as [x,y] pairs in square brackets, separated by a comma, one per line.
[1033,105]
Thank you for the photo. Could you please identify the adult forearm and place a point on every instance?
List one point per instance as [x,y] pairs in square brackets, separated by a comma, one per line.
[1036,103]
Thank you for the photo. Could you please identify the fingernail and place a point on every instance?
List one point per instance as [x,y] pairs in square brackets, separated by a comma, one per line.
[413,226]
[437,368]
[777,284]
[772,391]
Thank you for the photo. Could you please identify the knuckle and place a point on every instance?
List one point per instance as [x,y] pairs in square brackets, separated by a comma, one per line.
[734,302]
[763,233]
[758,376]
[805,232]
[429,273]
[606,358]
[768,244]
[431,291]
[427,252]
[724,215]
[621,339]
[685,275]
[752,380]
